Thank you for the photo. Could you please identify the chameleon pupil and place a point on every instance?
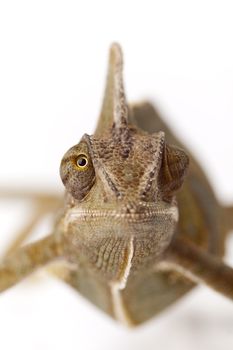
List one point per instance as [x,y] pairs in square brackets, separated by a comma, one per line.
[82,161]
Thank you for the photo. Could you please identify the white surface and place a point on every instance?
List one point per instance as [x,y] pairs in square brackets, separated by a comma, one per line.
[53,57]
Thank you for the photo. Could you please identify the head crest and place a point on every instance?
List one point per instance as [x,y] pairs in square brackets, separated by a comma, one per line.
[114,108]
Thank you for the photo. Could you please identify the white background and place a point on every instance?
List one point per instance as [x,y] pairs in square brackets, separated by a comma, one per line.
[53,57]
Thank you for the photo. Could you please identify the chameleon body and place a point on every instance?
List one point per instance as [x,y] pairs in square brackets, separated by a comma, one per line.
[140,224]
[120,248]
[146,291]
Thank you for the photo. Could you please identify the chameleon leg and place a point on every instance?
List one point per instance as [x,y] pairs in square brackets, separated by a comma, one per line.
[27,259]
[228,217]
[199,266]
[44,204]
[25,232]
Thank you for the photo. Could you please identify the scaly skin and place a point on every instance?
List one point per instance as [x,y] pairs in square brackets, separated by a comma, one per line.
[134,234]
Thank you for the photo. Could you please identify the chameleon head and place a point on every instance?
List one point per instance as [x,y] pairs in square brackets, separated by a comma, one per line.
[120,186]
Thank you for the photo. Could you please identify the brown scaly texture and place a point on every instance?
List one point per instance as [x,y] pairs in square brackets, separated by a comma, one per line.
[24,261]
[136,229]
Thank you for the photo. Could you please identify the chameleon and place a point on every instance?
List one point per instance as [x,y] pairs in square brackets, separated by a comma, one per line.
[139,225]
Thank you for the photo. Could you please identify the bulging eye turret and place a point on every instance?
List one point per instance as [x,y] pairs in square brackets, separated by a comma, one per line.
[173,170]
[77,171]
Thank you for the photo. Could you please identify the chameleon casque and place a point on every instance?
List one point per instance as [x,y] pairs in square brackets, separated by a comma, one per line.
[140,224]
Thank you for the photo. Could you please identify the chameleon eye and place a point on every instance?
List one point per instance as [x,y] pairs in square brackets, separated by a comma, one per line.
[173,170]
[82,162]
[77,171]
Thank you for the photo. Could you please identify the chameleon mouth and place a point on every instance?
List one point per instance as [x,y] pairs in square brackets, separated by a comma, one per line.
[133,216]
